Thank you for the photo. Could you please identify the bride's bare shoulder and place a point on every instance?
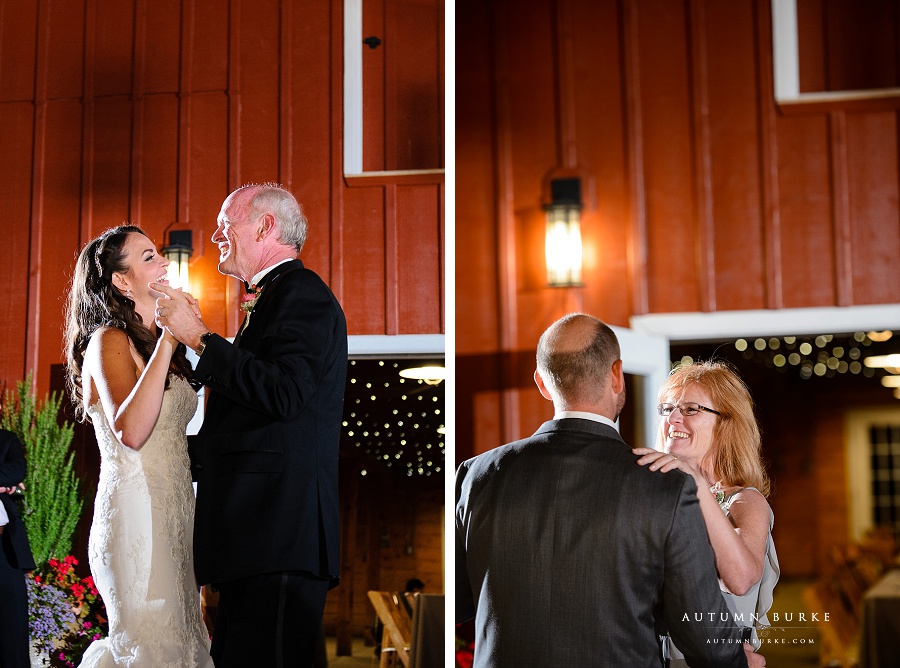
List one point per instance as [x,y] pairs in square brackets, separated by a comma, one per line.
[108,348]
[107,339]
[110,362]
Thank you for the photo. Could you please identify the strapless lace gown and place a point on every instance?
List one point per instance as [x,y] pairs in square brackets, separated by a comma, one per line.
[140,547]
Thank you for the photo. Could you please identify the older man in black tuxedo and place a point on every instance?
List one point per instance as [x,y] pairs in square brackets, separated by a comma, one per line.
[266,458]
[15,558]
[570,554]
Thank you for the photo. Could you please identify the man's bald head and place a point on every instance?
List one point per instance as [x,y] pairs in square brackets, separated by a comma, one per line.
[575,357]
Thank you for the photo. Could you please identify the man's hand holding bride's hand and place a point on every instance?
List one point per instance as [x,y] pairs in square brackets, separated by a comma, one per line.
[665,462]
[179,313]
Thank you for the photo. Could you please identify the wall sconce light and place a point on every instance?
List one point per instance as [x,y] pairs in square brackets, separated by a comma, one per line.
[563,240]
[178,252]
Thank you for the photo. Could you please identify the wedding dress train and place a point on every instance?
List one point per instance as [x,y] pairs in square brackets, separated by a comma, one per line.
[140,548]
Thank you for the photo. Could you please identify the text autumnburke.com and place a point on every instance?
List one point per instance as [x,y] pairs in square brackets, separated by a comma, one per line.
[762,641]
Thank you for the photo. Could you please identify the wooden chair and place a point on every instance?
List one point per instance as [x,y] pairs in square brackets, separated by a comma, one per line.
[393,611]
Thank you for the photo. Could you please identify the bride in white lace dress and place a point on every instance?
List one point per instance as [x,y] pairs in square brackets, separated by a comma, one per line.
[131,382]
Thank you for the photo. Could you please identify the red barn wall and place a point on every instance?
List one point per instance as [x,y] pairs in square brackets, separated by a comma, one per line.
[152,112]
[701,194]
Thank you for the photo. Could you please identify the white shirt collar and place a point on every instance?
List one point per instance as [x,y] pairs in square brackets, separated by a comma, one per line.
[259,275]
[587,416]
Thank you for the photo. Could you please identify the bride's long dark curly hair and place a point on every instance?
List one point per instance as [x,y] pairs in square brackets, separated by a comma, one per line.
[94,302]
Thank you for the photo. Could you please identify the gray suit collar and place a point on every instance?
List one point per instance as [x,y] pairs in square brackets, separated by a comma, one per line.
[579,425]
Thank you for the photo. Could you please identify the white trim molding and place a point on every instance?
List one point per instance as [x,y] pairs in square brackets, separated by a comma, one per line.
[785,51]
[400,345]
[686,327]
[647,356]
[353,87]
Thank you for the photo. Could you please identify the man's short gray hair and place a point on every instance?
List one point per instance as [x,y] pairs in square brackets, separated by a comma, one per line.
[289,217]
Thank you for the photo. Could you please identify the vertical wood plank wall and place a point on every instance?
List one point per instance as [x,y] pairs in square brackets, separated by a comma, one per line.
[701,194]
[151,112]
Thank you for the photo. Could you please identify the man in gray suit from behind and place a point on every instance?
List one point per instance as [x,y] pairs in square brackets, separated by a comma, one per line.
[570,554]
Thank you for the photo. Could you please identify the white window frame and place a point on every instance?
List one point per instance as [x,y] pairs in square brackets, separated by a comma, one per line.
[686,327]
[353,97]
[786,63]
[859,466]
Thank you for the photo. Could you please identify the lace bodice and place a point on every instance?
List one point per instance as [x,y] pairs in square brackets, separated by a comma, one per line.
[163,452]
[140,547]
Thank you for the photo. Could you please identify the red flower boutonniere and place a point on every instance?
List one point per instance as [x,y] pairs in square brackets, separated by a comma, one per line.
[248,301]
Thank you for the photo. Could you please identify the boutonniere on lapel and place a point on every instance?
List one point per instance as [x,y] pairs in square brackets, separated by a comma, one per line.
[248,303]
[248,300]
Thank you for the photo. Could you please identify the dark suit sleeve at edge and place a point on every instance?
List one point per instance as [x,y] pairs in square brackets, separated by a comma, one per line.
[299,336]
[12,469]
[691,587]
[465,602]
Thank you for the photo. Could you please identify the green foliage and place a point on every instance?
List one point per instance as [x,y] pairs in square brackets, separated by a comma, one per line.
[53,500]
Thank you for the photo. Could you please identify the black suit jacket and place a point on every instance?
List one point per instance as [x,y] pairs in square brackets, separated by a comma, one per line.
[570,554]
[12,472]
[266,457]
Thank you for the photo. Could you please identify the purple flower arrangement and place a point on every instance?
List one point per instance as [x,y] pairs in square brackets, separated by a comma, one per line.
[66,612]
[50,615]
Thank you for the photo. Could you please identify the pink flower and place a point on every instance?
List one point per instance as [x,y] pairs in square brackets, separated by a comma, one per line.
[87,625]
[96,636]
[248,300]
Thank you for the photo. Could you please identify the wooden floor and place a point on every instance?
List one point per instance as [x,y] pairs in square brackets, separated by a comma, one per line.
[363,657]
[800,646]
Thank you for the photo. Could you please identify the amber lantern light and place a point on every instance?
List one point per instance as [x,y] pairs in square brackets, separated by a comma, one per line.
[563,240]
[178,252]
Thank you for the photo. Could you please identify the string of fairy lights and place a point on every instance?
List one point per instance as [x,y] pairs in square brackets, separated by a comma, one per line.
[868,354]
[392,422]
